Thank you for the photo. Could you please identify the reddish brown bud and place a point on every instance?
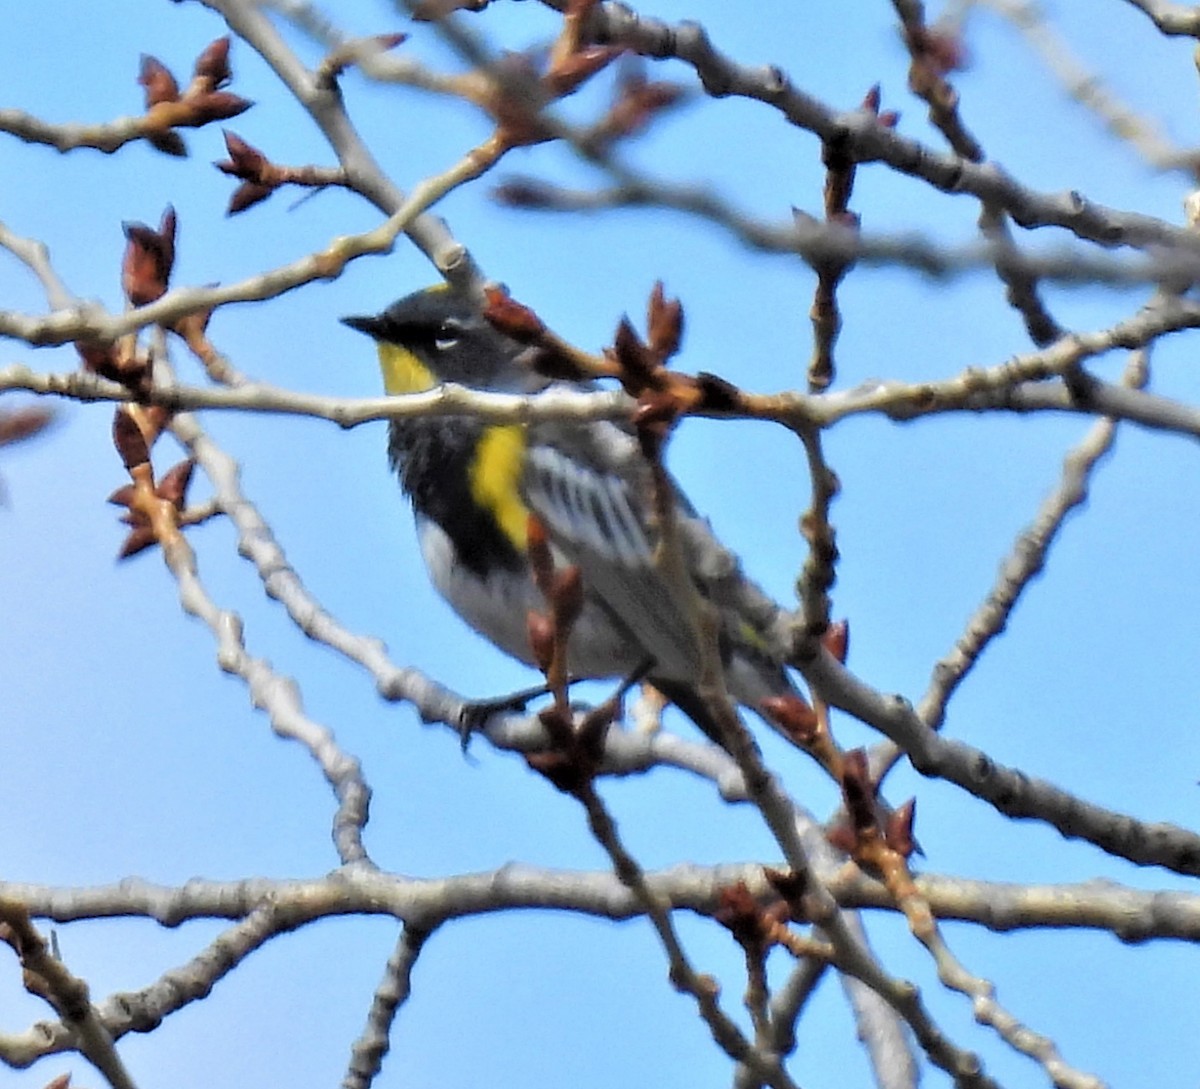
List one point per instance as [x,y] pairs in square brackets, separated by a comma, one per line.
[739,913]
[213,63]
[570,766]
[717,394]
[99,359]
[247,195]
[560,770]
[872,99]
[157,79]
[245,160]
[836,640]
[664,320]
[944,49]
[138,540]
[140,273]
[523,193]
[898,833]
[842,836]
[637,102]
[889,119]
[166,231]
[128,439]
[149,256]
[566,595]
[24,423]
[510,317]
[793,715]
[118,363]
[540,557]
[661,94]
[540,630]
[735,900]
[174,484]
[858,790]
[635,363]
[122,497]
[220,106]
[169,143]
[568,74]
[788,883]
[857,769]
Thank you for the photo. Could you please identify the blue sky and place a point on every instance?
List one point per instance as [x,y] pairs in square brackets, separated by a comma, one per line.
[126,751]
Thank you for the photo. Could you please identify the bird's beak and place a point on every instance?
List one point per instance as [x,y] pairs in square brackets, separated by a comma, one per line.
[370,325]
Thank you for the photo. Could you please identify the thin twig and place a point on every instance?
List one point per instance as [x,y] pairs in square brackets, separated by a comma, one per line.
[684,977]
[1122,122]
[36,256]
[47,977]
[366,1056]
[1028,555]
[1021,287]
[926,77]
[818,573]
[133,1011]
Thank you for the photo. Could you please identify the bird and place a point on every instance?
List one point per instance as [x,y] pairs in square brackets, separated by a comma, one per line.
[473,485]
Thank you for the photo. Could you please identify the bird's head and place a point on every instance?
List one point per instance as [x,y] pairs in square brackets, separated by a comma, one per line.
[436,336]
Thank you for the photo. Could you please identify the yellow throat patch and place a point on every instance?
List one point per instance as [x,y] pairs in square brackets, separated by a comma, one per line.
[403,372]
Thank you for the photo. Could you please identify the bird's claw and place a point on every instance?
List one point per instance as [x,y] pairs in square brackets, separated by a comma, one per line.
[475,713]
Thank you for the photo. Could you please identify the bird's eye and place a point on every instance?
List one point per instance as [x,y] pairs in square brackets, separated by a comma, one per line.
[447,336]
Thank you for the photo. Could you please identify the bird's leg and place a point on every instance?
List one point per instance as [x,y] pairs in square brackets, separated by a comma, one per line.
[638,674]
[475,713]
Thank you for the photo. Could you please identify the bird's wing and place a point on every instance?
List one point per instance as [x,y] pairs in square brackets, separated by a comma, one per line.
[592,489]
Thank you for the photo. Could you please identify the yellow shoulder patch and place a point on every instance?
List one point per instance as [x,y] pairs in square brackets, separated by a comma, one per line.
[496,477]
[403,372]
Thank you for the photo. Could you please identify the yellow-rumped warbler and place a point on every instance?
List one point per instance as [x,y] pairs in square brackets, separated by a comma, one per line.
[473,485]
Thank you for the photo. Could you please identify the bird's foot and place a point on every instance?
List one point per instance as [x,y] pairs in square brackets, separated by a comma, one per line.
[475,713]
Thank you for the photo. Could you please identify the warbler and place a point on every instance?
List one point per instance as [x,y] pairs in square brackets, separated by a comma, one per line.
[474,484]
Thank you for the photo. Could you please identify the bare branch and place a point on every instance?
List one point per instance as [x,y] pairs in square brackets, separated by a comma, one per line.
[1143,133]
[1028,555]
[1009,790]
[47,977]
[870,142]
[366,1056]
